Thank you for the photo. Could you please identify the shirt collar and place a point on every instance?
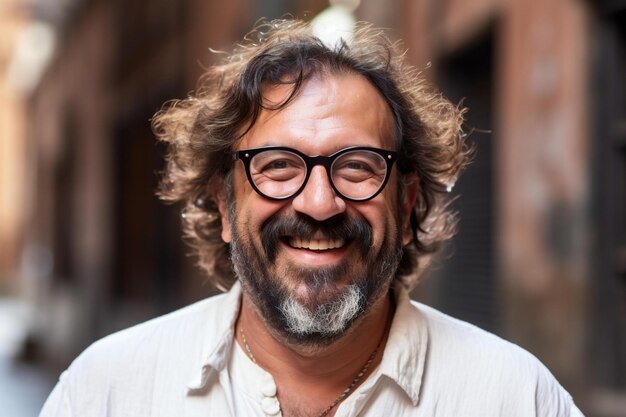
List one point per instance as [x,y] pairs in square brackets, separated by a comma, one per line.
[219,338]
[404,358]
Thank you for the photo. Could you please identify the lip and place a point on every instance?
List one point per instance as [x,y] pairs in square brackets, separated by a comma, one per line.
[315,257]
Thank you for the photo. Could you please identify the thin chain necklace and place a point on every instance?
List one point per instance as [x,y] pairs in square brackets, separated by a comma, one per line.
[347,391]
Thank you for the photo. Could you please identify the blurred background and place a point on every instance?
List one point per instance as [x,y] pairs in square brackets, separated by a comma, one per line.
[86,248]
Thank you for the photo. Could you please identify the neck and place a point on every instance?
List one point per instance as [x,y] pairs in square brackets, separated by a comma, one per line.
[330,368]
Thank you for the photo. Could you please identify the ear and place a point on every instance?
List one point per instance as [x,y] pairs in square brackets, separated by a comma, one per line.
[410,197]
[218,194]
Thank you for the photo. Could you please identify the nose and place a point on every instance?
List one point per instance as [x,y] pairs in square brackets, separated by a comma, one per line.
[318,199]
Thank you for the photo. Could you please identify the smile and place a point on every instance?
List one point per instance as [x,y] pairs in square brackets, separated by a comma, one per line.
[316,244]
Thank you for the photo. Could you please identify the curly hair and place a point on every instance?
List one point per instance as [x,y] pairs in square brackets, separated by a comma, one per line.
[204,129]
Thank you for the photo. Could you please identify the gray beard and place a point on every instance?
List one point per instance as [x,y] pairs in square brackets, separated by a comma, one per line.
[327,319]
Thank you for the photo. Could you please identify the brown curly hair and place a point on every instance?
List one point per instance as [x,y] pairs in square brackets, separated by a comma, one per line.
[204,129]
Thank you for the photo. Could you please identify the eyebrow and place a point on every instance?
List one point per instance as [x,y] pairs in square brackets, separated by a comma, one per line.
[332,151]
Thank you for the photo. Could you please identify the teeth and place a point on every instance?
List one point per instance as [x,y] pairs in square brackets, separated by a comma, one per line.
[316,244]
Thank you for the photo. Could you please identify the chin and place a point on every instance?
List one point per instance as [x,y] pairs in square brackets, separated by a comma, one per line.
[324,317]
[311,316]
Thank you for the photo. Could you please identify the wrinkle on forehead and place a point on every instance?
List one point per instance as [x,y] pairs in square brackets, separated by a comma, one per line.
[318,100]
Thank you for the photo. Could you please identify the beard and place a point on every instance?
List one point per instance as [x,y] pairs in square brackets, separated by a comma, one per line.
[335,296]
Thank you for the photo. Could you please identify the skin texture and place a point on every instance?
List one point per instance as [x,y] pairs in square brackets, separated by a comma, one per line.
[331,112]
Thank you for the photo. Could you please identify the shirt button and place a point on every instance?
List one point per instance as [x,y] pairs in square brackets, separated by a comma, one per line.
[268,388]
[270,406]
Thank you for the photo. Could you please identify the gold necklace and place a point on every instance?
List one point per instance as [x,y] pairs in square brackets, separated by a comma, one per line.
[347,391]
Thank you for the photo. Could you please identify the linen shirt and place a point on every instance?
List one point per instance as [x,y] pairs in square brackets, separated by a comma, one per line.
[185,364]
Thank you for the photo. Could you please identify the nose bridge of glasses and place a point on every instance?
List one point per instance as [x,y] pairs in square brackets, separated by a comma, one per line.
[314,161]
[323,161]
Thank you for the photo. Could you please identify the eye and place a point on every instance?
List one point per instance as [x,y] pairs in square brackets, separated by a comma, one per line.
[277,164]
[357,166]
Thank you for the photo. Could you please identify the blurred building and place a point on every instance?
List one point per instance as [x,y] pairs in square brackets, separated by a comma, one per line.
[541,253]
[13,22]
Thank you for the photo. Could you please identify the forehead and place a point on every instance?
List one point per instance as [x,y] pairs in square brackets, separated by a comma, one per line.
[329,113]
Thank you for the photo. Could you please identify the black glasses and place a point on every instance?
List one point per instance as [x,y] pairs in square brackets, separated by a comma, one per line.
[357,173]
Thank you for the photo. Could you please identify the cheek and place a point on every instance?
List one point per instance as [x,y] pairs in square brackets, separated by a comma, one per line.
[384,214]
[382,218]
[252,209]
[391,226]
[244,197]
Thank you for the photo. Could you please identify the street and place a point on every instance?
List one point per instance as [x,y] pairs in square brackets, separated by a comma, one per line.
[23,387]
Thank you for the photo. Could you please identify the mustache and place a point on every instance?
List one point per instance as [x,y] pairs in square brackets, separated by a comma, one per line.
[300,225]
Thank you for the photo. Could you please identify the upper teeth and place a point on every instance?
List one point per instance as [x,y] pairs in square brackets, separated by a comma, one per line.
[316,244]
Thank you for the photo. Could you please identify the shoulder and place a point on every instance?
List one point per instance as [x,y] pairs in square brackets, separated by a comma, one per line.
[454,338]
[170,343]
[464,358]
[127,371]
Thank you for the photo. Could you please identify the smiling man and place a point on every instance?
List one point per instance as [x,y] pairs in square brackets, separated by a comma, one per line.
[315,179]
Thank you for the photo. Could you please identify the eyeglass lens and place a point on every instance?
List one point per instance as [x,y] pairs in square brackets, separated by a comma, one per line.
[356,174]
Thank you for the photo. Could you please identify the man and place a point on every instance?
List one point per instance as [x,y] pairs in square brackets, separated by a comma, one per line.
[315,178]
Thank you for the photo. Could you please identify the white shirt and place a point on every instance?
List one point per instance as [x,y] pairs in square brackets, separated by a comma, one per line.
[185,364]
